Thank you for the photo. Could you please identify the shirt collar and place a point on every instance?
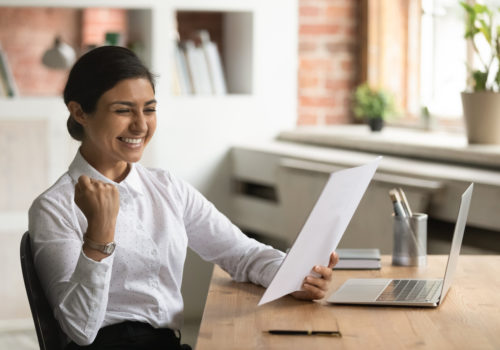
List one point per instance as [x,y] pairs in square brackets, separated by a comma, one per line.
[79,166]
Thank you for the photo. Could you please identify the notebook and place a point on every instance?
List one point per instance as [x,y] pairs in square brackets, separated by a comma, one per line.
[407,292]
[358,259]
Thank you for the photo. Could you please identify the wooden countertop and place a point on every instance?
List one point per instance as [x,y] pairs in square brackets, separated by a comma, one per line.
[469,317]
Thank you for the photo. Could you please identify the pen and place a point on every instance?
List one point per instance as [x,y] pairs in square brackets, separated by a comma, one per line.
[405,202]
[304,332]
[396,202]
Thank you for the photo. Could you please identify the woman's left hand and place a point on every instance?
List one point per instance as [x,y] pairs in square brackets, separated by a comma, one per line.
[316,287]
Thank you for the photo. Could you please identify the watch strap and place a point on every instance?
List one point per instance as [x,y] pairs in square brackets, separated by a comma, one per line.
[106,248]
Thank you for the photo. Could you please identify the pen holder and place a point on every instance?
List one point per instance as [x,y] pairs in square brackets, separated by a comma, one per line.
[410,240]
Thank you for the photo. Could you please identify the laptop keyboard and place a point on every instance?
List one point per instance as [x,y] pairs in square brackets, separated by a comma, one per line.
[411,290]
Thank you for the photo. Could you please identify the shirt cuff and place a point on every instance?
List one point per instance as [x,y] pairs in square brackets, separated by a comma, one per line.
[271,271]
[92,273]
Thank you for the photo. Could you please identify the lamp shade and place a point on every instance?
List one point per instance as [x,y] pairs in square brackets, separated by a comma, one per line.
[60,56]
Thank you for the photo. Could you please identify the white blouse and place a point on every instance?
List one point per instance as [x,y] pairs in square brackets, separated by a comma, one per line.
[159,217]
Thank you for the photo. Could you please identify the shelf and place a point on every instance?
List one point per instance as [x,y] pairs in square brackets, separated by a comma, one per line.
[32,108]
[27,32]
[437,146]
[230,27]
[232,32]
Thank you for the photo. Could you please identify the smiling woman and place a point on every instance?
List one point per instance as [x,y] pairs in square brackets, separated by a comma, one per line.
[112,112]
[110,236]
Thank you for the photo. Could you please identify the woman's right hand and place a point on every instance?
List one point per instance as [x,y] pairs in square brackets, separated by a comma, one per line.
[100,203]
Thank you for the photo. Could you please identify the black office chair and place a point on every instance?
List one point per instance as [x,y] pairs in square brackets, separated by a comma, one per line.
[50,336]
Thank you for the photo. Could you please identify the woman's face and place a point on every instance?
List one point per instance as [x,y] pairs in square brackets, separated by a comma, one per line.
[122,125]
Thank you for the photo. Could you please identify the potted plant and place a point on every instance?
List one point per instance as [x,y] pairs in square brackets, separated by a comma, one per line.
[373,105]
[481,100]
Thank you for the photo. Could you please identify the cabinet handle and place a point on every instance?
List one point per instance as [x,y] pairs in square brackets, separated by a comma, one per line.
[386,179]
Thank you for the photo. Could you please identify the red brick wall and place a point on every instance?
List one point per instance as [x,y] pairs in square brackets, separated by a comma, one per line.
[328,60]
[25,34]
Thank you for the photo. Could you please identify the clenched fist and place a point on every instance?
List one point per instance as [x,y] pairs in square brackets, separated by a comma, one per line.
[100,203]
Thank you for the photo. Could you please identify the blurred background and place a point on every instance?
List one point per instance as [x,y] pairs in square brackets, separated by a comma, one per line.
[256,105]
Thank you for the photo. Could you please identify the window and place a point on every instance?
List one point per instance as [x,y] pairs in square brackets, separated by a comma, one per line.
[390,50]
[417,49]
[443,63]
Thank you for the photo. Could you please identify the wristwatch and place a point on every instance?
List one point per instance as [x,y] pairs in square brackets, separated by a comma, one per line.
[106,248]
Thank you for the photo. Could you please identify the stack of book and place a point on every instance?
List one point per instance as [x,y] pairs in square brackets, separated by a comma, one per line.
[198,67]
[358,259]
[8,86]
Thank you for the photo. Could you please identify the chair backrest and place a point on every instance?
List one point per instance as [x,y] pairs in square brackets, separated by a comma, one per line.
[48,331]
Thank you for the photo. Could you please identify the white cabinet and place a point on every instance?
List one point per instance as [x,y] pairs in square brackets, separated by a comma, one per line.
[296,174]
[300,183]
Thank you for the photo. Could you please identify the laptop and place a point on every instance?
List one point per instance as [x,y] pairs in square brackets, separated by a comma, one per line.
[407,292]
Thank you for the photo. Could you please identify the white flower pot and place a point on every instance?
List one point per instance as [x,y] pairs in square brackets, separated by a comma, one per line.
[482,117]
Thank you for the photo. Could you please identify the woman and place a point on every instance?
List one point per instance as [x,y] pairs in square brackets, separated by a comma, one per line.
[110,236]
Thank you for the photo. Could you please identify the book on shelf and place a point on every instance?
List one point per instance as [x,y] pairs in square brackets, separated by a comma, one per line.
[8,84]
[214,63]
[182,79]
[358,259]
[198,68]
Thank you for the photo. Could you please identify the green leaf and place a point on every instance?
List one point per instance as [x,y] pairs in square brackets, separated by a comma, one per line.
[486,30]
[479,22]
[479,8]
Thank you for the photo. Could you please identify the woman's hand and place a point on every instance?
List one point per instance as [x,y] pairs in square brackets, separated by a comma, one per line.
[100,203]
[316,287]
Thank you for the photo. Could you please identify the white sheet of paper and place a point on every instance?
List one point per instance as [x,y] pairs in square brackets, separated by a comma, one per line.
[323,229]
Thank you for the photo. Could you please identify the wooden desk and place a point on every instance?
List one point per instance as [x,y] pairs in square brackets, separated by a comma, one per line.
[469,318]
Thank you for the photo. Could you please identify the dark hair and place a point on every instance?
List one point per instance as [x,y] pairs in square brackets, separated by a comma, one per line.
[96,72]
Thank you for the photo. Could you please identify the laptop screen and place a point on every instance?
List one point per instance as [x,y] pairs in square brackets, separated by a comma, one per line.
[457,240]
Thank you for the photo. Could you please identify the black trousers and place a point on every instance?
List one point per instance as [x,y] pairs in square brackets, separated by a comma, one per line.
[133,336]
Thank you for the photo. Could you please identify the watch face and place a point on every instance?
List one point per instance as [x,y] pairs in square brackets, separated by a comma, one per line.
[109,248]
